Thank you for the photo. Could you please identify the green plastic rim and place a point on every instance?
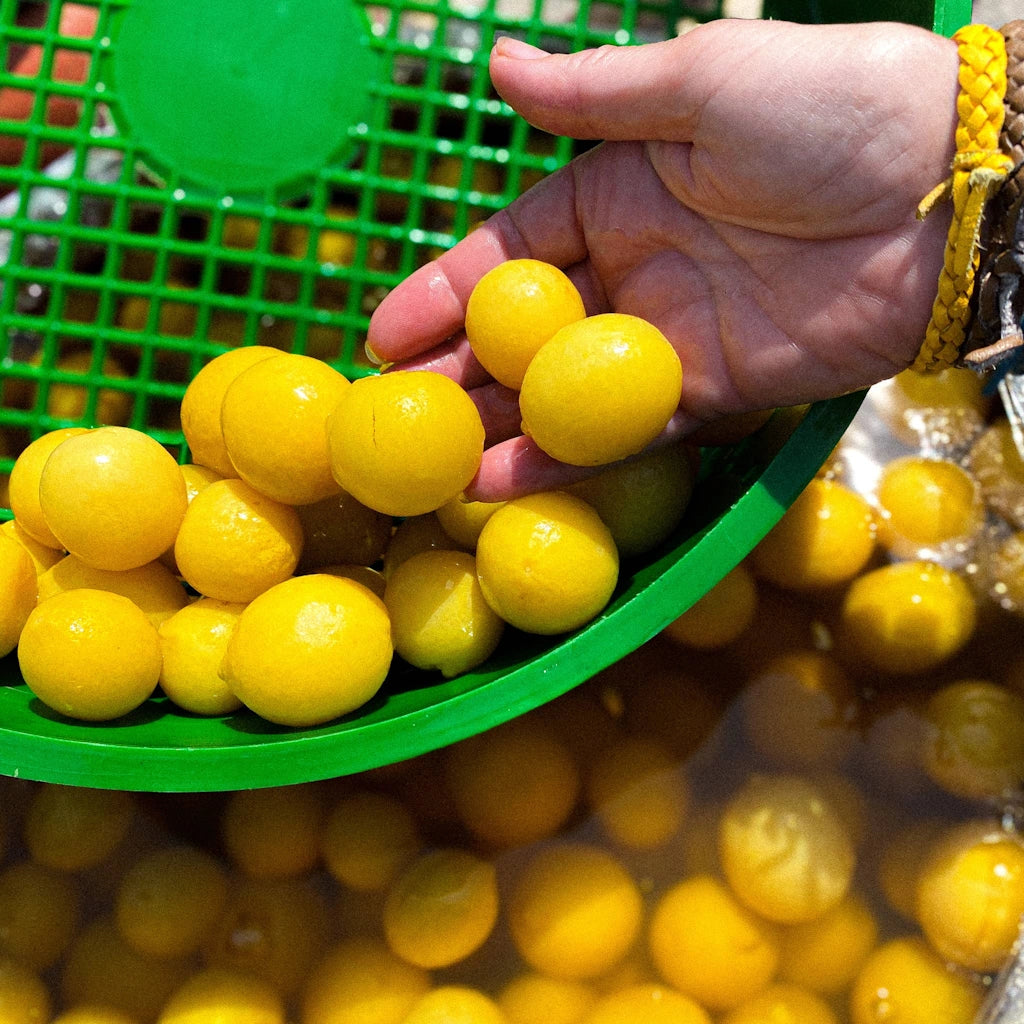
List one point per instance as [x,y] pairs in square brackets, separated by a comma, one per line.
[129,257]
[159,749]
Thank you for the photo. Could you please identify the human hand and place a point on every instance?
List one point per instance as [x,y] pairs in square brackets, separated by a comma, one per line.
[755,200]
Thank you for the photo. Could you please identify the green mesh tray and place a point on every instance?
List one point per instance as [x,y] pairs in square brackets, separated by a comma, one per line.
[178,178]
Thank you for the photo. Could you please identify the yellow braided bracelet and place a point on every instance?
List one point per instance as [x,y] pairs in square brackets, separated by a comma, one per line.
[978,169]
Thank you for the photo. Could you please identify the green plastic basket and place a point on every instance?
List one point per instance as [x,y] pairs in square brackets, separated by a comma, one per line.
[181,178]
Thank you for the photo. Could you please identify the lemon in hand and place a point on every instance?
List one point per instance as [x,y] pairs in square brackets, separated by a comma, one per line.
[601,389]
[406,442]
[513,310]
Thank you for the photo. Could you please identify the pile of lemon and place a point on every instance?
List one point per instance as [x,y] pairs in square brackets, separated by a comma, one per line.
[321,527]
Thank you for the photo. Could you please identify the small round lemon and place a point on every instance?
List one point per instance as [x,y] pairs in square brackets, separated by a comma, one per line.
[167,900]
[547,563]
[825,538]
[646,1003]
[368,837]
[39,913]
[574,910]
[463,520]
[439,617]
[709,945]
[113,496]
[405,442]
[19,587]
[24,484]
[441,907]
[360,981]
[513,310]
[234,543]
[904,979]
[309,650]
[274,422]
[643,499]
[192,645]
[43,557]
[455,1004]
[908,617]
[153,587]
[273,832]
[90,654]
[477,771]
[724,613]
[201,405]
[601,389]
[531,997]
[785,851]
[219,996]
[75,828]
[339,530]
[782,1001]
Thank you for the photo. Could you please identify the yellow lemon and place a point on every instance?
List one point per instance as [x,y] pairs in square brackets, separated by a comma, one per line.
[100,968]
[824,955]
[309,650]
[970,895]
[43,557]
[534,998]
[441,907]
[405,442]
[637,792]
[926,502]
[234,543]
[646,1004]
[415,534]
[574,910]
[782,1002]
[274,422]
[39,913]
[908,617]
[455,1004]
[360,981]
[201,405]
[168,900]
[643,499]
[219,996]
[905,980]
[602,388]
[463,520]
[547,563]
[514,309]
[192,645]
[274,832]
[825,538]
[785,851]
[974,739]
[90,654]
[272,928]
[724,613]
[113,496]
[709,946]
[19,587]
[477,771]
[74,828]
[439,617]
[368,837]
[24,484]
[152,587]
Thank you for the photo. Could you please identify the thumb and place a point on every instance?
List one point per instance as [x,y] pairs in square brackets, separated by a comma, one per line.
[624,93]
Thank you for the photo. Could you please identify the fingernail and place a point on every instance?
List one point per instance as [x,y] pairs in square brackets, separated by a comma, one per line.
[507,46]
[371,355]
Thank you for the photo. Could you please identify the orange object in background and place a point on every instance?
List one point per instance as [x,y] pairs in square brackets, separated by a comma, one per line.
[27,61]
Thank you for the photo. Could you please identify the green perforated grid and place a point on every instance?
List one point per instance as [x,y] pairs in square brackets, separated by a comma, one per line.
[120,280]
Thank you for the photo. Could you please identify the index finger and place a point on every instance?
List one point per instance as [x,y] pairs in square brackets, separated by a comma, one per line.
[429,306]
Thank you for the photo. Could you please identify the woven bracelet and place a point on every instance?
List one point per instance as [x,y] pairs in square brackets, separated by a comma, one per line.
[979,169]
